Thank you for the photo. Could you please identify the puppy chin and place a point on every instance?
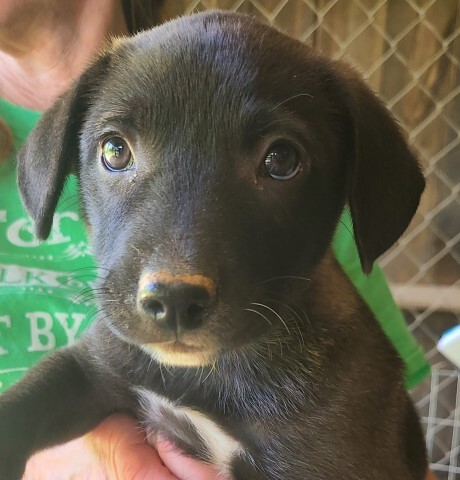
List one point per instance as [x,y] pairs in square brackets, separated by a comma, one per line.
[179,355]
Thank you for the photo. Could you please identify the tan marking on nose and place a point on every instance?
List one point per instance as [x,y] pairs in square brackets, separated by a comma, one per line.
[169,279]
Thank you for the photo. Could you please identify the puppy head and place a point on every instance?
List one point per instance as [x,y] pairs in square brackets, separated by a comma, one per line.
[215,156]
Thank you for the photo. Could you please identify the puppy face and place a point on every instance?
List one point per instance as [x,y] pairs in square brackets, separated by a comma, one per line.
[215,156]
[225,173]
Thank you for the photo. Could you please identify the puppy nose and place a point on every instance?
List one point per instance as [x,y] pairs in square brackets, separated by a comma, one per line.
[176,302]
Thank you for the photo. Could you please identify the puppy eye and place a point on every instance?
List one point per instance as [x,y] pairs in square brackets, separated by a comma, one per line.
[282,161]
[116,154]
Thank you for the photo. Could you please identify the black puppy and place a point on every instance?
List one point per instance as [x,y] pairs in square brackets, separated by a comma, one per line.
[215,156]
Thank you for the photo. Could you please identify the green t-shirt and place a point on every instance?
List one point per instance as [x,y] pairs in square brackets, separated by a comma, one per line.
[45,294]
[45,288]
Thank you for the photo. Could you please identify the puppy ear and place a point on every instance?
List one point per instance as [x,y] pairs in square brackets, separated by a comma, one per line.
[385,184]
[51,150]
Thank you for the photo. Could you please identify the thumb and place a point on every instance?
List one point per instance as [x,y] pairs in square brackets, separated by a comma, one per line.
[122,448]
[184,467]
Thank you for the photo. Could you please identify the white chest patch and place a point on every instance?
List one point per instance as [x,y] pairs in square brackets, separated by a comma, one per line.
[159,413]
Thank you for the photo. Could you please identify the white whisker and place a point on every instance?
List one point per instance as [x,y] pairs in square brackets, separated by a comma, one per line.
[302,339]
[273,311]
[291,98]
[287,277]
[258,313]
[162,375]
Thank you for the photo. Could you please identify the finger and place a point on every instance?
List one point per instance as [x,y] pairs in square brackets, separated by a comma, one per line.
[183,467]
[138,462]
[121,445]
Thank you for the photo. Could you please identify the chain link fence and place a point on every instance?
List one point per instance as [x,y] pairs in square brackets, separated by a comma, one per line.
[409,52]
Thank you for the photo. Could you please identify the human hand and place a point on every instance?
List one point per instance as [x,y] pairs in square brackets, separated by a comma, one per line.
[116,450]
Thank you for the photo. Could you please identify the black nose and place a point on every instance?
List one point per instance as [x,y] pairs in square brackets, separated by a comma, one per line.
[176,303]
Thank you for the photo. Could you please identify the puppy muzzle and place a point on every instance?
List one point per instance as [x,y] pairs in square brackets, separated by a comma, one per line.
[177,303]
